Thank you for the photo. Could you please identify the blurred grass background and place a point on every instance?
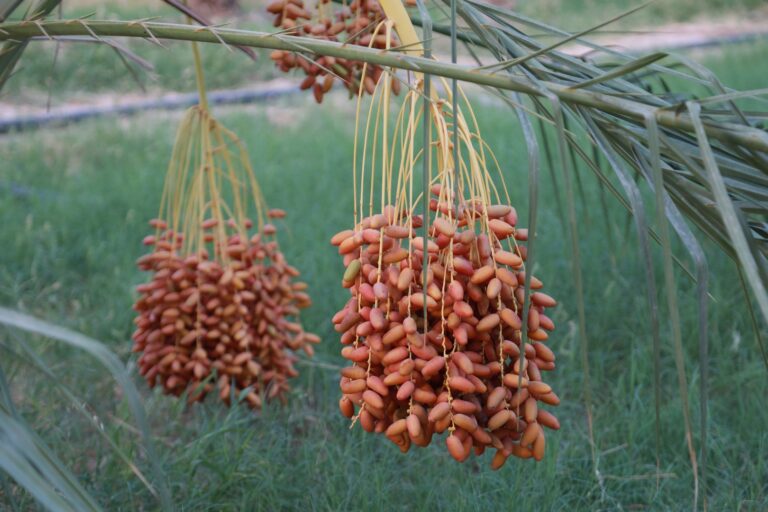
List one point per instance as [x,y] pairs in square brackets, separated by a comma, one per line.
[75,202]
[580,14]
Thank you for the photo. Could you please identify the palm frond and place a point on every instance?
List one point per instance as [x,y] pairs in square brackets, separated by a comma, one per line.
[11,51]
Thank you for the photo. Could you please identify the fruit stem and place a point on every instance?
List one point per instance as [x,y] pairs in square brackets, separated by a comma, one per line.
[395,11]
[199,76]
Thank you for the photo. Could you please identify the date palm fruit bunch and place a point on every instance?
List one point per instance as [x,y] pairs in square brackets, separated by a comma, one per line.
[441,333]
[219,313]
[359,23]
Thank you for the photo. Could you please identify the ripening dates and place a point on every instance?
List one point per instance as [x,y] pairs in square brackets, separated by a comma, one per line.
[230,318]
[436,347]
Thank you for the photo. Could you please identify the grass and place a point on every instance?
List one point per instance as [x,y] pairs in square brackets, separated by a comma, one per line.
[75,202]
[728,65]
[581,14]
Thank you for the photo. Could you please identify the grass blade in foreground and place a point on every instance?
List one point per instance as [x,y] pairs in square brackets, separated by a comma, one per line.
[30,463]
[30,324]
[36,362]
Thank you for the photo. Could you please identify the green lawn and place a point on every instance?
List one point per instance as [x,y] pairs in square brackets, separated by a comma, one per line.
[75,203]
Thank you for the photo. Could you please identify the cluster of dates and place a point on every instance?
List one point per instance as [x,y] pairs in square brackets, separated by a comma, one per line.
[460,368]
[353,24]
[227,323]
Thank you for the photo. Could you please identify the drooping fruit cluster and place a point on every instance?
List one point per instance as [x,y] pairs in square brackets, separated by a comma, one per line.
[358,24]
[220,311]
[458,369]
[223,324]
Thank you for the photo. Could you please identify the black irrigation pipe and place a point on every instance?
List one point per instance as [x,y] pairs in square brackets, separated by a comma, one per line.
[168,102]
[240,96]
